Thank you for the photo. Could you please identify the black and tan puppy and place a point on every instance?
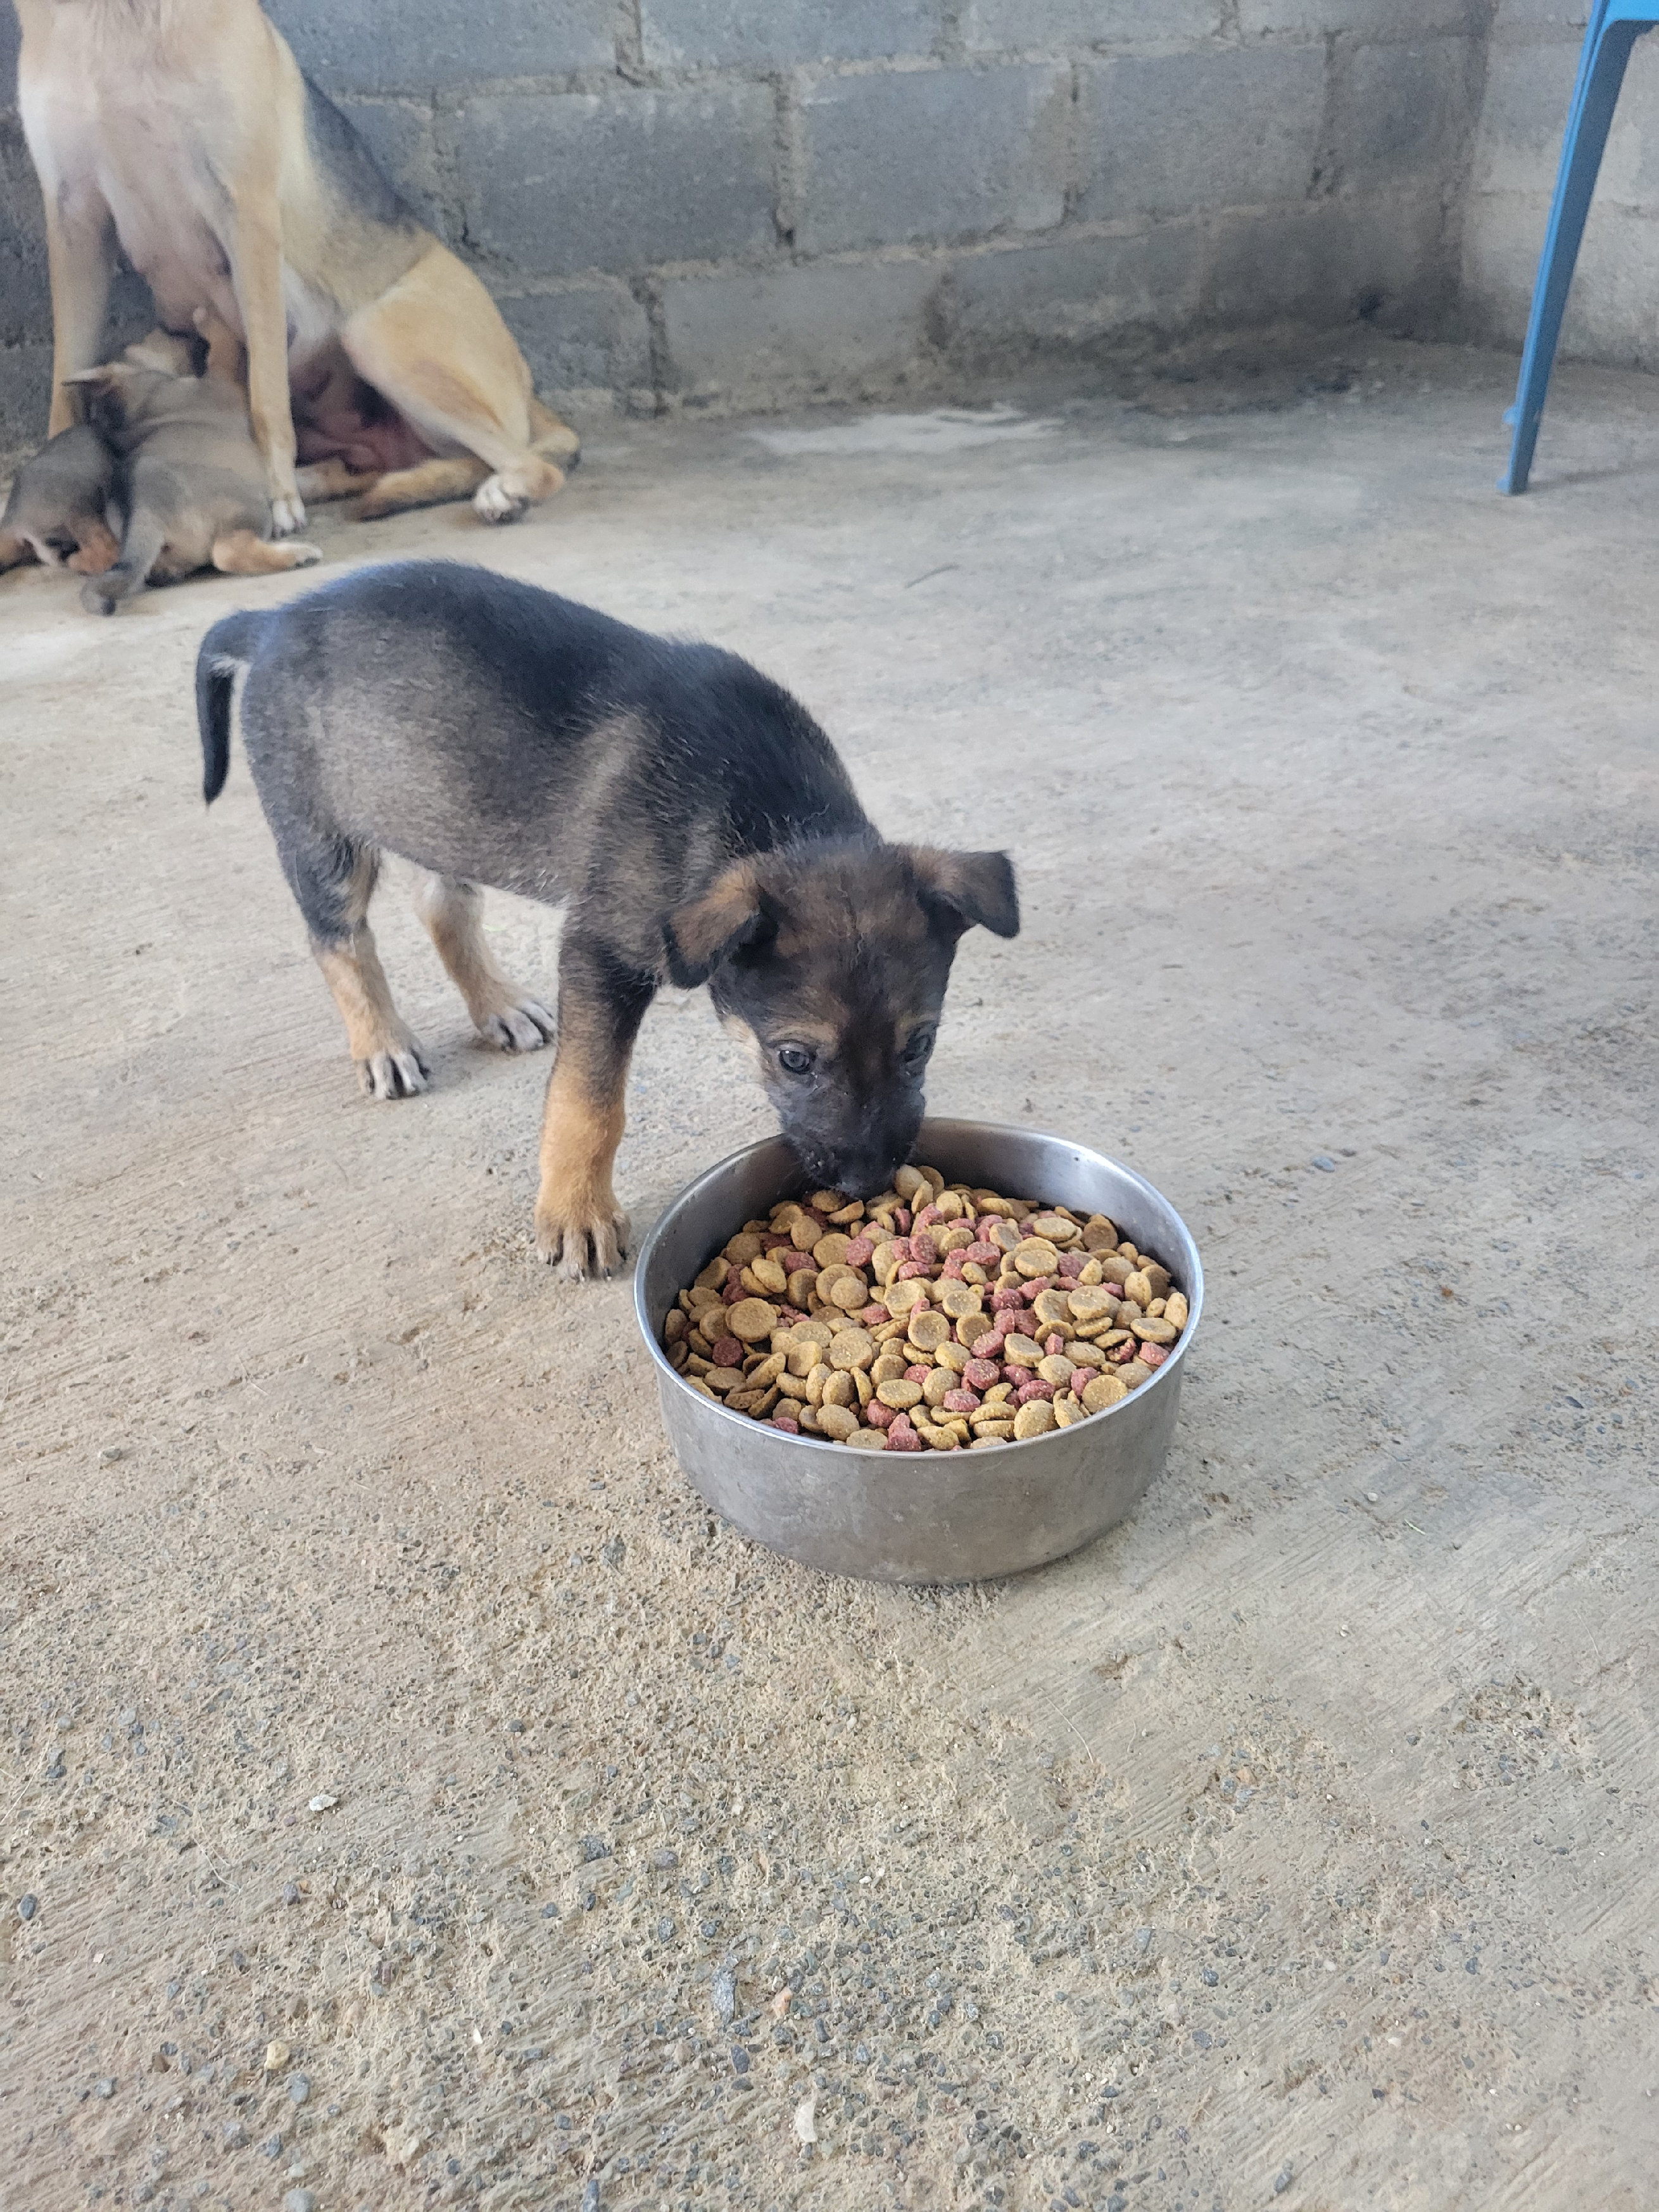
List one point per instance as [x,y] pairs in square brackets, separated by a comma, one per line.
[55,511]
[693,820]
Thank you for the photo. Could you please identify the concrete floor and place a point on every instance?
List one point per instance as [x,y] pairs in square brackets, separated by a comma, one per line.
[364,1651]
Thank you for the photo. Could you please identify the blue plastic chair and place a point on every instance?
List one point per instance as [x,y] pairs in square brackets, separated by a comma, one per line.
[1614,28]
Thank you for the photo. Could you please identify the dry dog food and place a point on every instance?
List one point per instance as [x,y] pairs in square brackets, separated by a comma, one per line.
[935,1317]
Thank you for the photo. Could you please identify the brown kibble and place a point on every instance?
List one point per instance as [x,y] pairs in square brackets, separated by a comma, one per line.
[1104,1391]
[751,1319]
[1084,1355]
[1134,1374]
[723,1379]
[1116,1270]
[972,1326]
[768,1373]
[852,1347]
[951,1354]
[928,1329]
[1138,1288]
[803,1358]
[1055,1367]
[1174,1312]
[938,1386]
[1035,1419]
[898,1394]
[845,1216]
[889,1366]
[863,1387]
[838,1391]
[850,1294]
[674,1325]
[743,1248]
[1066,1409]
[907,1182]
[900,1298]
[868,1440]
[1099,1235]
[1154,1332]
[1019,1351]
[831,1250]
[1035,1256]
[1053,1310]
[770,1275]
[1084,1302]
[838,1422]
[816,1381]
[1058,1229]
[957,1299]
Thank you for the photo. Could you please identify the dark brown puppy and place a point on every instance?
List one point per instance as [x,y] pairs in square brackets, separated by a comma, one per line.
[693,820]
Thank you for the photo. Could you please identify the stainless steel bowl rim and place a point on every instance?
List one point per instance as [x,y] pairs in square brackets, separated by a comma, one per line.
[648,1327]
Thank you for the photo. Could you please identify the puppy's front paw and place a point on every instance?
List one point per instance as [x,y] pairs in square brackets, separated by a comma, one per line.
[398,1073]
[582,1239]
[288,515]
[522,1025]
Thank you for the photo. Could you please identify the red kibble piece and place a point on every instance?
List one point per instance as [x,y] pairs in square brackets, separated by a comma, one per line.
[1153,1355]
[784,1421]
[792,1261]
[924,1247]
[733,1294]
[917,1374]
[901,1249]
[1033,1291]
[728,1353]
[789,1316]
[860,1252]
[1026,1228]
[1071,1264]
[980,1373]
[981,1254]
[902,1218]
[911,1269]
[880,1416]
[1006,1301]
[1035,1389]
[951,1270]
[901,1437]
[985,1225]
[733,1273]
[928,1216]
[1056,1342]
[1122,1354]
[873,1315]
[962,1401]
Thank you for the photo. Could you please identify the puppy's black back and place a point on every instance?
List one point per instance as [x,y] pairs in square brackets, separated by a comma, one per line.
[494,732]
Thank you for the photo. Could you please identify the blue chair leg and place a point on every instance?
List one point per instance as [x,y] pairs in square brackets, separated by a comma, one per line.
[1588,125]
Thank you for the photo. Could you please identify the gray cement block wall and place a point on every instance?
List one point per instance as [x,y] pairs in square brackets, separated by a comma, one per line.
[1613,312]
[685,204]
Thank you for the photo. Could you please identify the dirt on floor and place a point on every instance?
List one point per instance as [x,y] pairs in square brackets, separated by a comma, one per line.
[411,1795]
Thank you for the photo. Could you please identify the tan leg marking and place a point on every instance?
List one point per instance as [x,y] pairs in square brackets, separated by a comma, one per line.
[245,553]
[429,483]
[97,550]
[500,1012]
[390,1062]
[322,480]
[579,1224]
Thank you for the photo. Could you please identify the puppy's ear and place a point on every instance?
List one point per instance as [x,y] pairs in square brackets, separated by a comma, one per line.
[729,916]
[962,889]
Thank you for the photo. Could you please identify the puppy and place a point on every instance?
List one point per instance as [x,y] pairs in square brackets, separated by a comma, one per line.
[690,816]
[190,481]
[56,512]
[184,130]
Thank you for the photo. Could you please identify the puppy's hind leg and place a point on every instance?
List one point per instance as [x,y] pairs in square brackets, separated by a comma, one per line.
[602,1002]
[334,881]
[245,553]
[500,1012]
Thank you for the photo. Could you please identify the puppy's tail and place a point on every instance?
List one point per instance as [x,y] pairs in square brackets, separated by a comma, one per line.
[228,646]
[145,537]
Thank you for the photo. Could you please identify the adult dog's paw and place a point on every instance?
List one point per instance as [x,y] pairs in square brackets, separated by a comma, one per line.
[497,501]
[581,1240]
[396,1074]
[288,515]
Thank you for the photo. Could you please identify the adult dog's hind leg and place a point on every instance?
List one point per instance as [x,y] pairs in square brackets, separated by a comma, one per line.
[500,1012]
[334,885]
[245,553]
[602,1002]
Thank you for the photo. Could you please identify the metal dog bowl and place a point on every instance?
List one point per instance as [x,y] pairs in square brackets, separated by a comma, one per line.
[931,1516]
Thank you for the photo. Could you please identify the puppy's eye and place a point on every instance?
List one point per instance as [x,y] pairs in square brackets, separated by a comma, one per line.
[920,1044]
[795,1058]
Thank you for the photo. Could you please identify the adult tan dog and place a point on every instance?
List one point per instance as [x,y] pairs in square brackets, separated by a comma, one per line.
[184,128]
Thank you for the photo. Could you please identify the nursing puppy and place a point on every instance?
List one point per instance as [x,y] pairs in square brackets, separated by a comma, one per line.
[56,512]
[690,816]
[190,481]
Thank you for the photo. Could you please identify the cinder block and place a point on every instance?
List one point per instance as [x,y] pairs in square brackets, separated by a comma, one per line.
[1502,234]
[1047,26]
[1174,133]
[1074,294]
[570,182]
[703,34]
[25,294]
[591,336]
[399,138]
[933,154]
[1315,19]
[833,329]
[423,45]
[25,395]
[11,38]
[1328,262]
[1523,112]
[1403,113]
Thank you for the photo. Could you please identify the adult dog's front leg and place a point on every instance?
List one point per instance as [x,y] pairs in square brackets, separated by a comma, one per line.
[257,274]
[81,263]
[602,1001]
